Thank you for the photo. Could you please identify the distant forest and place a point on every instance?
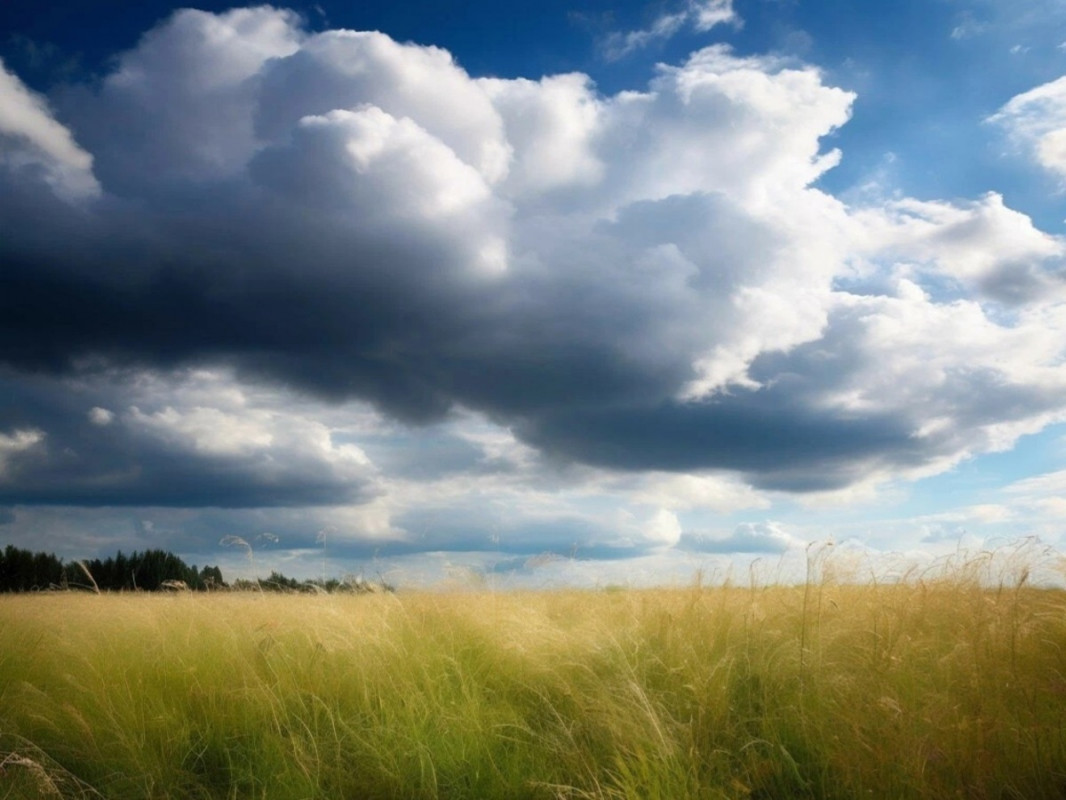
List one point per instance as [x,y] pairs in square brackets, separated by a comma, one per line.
[152,570]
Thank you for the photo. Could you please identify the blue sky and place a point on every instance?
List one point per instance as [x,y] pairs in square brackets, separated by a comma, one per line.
[557,294]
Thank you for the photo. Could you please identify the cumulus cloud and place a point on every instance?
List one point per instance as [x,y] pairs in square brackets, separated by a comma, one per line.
[645,281]
[552,126]
[179,107]
[349,69]
[185,440]
[946,379]
[1036,120]
[982,246]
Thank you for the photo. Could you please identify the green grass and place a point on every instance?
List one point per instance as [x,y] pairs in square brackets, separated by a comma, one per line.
[925,690]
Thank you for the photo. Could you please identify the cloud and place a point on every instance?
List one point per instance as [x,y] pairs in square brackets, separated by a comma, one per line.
[1036,121]
[552,126]
[183,441]
[945,379]
[351,69]
[685,492]
[663,527]
[769,436]
[982,247]
[1049,483]
[700,15]
[968,28]
[101,416]
[708,13]
[178,108]
[15,445]
[748,537]
[597,286]
[32,140]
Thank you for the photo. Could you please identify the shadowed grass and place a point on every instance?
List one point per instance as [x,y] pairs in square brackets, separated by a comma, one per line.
[919,690]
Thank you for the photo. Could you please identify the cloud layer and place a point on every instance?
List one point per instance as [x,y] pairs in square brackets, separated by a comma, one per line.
[647,282]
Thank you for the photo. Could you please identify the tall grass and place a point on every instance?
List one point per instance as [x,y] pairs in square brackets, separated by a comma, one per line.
[929,688]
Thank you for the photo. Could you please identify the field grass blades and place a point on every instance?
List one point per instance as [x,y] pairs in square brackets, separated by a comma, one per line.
[921,689]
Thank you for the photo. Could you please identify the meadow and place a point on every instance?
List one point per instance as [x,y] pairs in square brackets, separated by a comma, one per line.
[928,687]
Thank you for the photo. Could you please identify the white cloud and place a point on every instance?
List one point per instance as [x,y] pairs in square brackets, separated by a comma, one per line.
[748,537]
[101,416]
[30,136]
[179,106]
[949,367]
[982,513]
[663,528]
[236,426]
[1036,121]
[700,15]
[619,45]
[387,173]
[984,246]
[747,126]
[346,70]
[708,13]
[551,126]
[1049,483]
[193,438]
[696,492]
[208,430]
[16,443]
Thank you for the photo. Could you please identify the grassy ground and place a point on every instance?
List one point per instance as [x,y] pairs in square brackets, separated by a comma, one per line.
[928,690]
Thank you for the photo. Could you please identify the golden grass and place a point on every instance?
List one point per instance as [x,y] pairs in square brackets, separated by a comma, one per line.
[921,690]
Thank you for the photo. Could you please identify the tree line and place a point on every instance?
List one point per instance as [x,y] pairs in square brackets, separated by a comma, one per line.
[277,582]
[150,570]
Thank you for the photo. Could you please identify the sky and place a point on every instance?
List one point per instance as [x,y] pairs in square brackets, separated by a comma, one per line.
[540,295]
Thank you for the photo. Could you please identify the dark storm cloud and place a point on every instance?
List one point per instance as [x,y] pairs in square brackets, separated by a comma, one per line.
[164,480]
[776,442]
[312,303]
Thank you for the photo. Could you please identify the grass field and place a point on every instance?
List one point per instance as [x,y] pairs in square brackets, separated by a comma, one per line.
[941,688]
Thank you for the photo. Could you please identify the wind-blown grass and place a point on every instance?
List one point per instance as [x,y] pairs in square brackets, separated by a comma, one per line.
[931,689]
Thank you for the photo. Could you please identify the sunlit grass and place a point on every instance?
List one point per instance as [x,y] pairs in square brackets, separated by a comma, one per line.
[923,689]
